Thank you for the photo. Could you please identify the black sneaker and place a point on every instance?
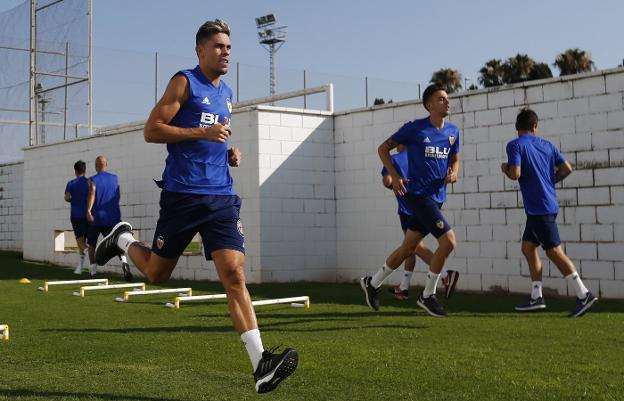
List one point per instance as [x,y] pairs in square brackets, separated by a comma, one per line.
[372,294]
[431,305]
[583,305]
[450,281]
[107,248]
[531,305]
[272,369]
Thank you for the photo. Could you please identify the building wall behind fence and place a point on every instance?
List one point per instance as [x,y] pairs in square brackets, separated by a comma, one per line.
[49,167]
[11,200]
[582,115]
[314,207]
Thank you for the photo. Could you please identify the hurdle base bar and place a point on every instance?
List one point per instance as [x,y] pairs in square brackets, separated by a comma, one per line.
[182,292]
[47,284]
[83,290]
[293,301]
[4,332]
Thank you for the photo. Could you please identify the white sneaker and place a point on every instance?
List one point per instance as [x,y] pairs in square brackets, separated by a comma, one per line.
[93,269]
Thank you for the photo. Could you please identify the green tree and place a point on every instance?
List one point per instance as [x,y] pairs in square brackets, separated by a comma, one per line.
[449,78]
[540,71]
[517,69]
[491,74]
[574,61]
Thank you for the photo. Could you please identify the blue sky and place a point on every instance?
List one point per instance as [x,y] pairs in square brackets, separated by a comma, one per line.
[394,40]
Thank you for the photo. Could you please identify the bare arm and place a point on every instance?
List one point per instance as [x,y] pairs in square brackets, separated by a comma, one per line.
[90,201]
[67,197]
[387,181]
[512,172]
[398,185]
[563,170]
[453,170]
[157,128]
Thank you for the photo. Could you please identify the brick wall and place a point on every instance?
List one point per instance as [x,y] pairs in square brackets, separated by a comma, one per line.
[582,115]
[11,199]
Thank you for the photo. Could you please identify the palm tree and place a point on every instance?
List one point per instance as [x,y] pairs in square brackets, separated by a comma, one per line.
[540,71]
[448,78]
[491,73]
[517,68]
[574,61]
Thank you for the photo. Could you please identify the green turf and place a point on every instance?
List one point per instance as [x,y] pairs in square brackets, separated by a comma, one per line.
[68,348]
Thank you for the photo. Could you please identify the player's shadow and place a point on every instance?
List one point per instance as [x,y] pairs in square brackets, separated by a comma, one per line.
[62,395]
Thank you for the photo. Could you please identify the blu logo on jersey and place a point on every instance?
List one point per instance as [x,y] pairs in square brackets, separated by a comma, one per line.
[208,119]
[437,152]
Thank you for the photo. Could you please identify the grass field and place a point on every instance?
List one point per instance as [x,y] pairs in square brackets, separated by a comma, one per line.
[68,348]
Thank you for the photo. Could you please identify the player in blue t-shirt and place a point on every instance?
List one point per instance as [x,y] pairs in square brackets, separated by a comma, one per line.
[103,211]
[537,165]
[193,120]
[401,291]
[76,192]
[433,162]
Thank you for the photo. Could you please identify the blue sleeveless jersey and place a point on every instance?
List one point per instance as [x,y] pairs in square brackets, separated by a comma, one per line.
[106,210]
[201,166]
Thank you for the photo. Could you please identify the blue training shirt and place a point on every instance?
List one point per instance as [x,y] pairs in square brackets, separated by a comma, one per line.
[428,152]
[537,159]
[105,209]
[399,160]
[201,166]
[78,188]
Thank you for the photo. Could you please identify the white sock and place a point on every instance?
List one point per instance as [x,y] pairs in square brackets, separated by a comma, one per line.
[536,290]
[93,268]
[577,284]
[125,240]
[405,282]
[253,344]
[82,261]
[432,283]
[381,275]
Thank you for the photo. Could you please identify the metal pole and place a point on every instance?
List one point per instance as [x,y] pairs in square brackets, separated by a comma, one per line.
[90,75]
[366,89]
[32,107]
[156,78]
[418,91]
[65,106]
[237,81]
[305,103]
[272,62]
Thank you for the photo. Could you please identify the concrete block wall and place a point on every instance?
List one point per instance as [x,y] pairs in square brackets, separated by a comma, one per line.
[297,199]
[583,115]
[49,167]
[11,201]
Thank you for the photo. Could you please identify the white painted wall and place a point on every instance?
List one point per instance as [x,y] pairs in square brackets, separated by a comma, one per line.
[297,200]
[314,207]
[583,115]
[11,199]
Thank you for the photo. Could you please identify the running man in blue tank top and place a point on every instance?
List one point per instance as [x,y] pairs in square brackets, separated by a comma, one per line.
[76,192]
[433,162]
[537,165]
[193,120]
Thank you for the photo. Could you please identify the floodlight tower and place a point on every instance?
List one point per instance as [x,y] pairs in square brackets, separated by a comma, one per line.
[271,36]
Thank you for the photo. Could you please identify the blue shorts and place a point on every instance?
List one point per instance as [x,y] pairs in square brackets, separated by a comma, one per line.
[94,232]
[215,217]
[427,217]
[80,227]
[406,222]
[542,230]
